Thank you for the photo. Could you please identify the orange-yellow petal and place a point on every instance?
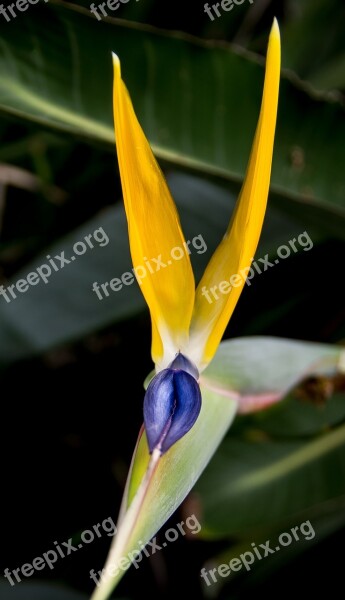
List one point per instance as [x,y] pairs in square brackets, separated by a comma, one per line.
[159,253]
[233,256]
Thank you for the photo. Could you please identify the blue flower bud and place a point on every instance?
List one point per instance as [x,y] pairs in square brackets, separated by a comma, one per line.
[171,406]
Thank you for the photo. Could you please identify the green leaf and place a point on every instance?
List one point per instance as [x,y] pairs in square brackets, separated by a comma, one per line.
[261,370]
[245,478]
[65,307]
[147,505]
[324,522]
[50,76]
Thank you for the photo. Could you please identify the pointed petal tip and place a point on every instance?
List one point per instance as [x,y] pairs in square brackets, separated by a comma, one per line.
[275,31]
[116,62]
[274,49]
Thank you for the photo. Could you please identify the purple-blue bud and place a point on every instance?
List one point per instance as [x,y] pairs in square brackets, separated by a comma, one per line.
[171,406]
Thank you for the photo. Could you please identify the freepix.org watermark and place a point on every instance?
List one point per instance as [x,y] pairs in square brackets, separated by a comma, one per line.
[246,275]
[61,550]
[225,5]
[56,263]
[151,265]
[15,8]
[105,7]
[247,559]
[190,525]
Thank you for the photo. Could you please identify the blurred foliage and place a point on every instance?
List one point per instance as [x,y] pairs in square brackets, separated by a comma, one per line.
[196,86]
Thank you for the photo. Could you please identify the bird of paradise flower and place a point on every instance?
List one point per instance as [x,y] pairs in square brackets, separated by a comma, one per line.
[184,420]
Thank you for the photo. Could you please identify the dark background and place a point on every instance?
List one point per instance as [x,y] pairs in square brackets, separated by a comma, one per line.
[71,415]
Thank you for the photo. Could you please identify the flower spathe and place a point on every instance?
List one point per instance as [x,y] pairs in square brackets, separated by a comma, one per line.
[186,328]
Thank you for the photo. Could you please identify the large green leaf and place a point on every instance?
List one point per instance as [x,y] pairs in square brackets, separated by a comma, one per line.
[49,75]
[51,313]
[325,522]
[247,477]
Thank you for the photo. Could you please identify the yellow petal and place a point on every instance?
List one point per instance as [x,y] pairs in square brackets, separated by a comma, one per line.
[233,256]
[159,252]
